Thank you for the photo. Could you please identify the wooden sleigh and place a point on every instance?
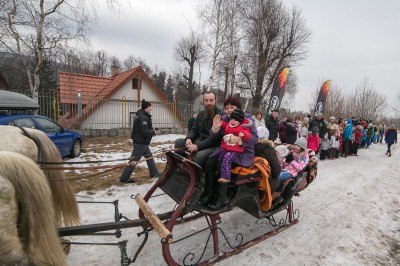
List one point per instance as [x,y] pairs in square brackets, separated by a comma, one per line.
[183,182]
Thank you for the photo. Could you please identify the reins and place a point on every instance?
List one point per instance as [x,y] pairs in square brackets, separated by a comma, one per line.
[96,167]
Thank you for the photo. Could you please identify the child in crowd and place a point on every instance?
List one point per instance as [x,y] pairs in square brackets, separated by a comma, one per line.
[313,140]
[363,138]
[324,148]
[229,152]
[295,161]
[334,145]
[357,139]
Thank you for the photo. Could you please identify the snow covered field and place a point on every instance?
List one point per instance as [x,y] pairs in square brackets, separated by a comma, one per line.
[350,215]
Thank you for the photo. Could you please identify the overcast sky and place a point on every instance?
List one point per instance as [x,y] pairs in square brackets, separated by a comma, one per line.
[351,39]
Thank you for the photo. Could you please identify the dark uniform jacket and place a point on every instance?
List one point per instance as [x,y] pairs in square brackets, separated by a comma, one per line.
[320,124]
[142,130]
[199,134]
[272,126]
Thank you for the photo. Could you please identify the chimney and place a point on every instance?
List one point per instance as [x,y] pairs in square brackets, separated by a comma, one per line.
[114,70]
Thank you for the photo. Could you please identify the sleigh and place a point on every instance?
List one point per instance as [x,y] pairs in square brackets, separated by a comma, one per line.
[183,181]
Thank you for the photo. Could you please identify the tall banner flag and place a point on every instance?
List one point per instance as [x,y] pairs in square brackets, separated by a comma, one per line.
[323,94]
[278,90]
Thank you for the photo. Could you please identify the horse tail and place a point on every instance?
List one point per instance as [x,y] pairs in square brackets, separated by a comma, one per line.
[37,228]
[66,207]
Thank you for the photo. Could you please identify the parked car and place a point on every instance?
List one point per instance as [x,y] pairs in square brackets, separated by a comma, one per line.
[68,142]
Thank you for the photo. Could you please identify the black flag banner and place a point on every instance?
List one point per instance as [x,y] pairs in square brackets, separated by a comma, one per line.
[278,90]
[323,94]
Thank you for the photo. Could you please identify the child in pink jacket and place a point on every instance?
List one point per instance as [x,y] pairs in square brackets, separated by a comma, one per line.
[313,140]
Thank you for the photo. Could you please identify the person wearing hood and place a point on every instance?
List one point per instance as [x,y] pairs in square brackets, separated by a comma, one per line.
[390,139]
[142,133]
[347,134]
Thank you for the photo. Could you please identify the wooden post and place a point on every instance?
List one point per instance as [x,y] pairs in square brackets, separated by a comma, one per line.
[157,224]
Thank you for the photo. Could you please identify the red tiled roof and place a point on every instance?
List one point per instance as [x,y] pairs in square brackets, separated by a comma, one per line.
[90,86]
[94,89]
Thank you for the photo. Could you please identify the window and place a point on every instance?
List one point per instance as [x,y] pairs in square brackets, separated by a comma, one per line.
[23,122]
[48,126]
[135,84]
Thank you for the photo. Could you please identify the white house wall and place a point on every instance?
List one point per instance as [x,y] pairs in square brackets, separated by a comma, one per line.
[115,114]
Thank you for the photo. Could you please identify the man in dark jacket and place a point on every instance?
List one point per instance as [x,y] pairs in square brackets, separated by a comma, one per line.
[272,124]
[390,139]
[142,133]
[318,122]
[198,138]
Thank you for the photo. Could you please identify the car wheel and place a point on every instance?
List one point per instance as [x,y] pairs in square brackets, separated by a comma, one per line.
[76,149]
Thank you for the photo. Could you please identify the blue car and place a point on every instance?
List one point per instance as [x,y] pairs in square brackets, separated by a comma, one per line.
[68,142]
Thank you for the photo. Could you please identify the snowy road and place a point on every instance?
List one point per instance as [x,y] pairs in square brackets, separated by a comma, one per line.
[350,215]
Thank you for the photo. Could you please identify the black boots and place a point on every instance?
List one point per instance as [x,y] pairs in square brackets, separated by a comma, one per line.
[207,196]
[222,199]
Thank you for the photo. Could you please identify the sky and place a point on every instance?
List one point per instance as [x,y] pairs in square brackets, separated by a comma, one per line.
[351,40]
[350,217]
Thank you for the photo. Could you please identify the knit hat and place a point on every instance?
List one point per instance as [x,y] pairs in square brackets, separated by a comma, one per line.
[306,119]
[238,115]
[145,104]
[301,142]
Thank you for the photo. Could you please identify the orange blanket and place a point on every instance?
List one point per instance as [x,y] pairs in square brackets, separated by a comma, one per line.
[262,165]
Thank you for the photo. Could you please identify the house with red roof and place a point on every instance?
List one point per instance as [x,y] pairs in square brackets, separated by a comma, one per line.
[92,102]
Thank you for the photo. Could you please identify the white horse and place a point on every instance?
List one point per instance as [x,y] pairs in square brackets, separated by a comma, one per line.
[33,203]
[38,147]
[28,228]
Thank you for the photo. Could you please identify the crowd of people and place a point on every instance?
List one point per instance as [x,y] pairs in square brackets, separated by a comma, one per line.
[332,139]
[220,140]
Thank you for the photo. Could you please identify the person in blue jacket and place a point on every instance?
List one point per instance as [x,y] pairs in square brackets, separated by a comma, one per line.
[348,131]
[390,138]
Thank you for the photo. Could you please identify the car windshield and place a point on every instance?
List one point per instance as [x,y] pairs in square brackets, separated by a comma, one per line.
[48,126]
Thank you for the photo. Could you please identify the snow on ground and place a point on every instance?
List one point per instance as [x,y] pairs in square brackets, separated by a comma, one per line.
[350,215]
[107,156]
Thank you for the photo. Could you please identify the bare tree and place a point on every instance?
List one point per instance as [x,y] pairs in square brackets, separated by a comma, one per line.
[213,17]
[396,106]
[366,102]
[31,27]
[189,50]
[101,63]
[275,38]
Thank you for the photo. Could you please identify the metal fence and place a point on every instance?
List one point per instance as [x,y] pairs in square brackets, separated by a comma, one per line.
[84,113]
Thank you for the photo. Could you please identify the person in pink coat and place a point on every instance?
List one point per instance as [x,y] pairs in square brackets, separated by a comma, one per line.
[313,140]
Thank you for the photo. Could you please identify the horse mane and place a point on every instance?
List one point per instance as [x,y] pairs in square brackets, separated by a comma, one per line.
[30,231]
[66,207]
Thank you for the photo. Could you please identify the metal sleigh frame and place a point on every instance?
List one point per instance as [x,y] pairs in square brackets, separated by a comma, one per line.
[181,181]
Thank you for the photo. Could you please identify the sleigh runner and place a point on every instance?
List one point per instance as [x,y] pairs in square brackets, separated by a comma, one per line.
[183,181]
